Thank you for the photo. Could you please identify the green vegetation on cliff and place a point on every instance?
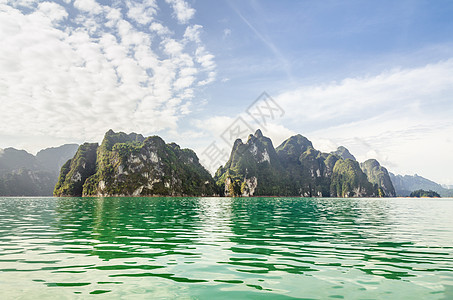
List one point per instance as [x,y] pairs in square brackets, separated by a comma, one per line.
[75,171]
[379,176]
[348,180]
[256,160]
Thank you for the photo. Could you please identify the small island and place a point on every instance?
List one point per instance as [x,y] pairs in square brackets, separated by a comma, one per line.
[424,194]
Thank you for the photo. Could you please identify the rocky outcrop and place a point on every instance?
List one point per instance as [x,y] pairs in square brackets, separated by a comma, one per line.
[76,171]
[131,165]
[348,180]
[253,169]
[379,176]
[343,153]
[295,168]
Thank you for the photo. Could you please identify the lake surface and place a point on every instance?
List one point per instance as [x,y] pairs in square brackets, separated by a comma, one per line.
[226,248]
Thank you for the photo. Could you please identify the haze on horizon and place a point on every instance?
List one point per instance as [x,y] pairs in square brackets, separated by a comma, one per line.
[376,77]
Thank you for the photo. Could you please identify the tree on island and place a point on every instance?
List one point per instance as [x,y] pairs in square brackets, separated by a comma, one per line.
[423,193]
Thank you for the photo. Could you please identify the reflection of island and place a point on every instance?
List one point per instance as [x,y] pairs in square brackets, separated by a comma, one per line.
[186,237]
[305,236]
[127,227]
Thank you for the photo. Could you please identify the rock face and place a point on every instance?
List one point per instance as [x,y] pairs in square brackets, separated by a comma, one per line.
[379,176]
[253,169]
[348,180]
[23,174]
[131,165]
[307,170]
[344,153]
[294,168]
[76,171]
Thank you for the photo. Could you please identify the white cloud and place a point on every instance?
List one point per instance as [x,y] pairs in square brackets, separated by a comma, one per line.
[142,12]
[192,33]
[172,47]
[358,98]
[400,117]
[53,11]
[159,29]
[105,72]
[89,6]
[182,11]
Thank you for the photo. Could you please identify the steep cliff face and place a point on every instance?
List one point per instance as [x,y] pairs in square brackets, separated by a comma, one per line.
[76,171]
[379,176]
[131,165]
[253,169]
[348,180]
[308,170]
[344,153]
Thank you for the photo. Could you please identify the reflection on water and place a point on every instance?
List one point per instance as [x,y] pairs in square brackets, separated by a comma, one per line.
[227,247]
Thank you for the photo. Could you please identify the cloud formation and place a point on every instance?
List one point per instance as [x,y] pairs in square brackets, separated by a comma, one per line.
[400,117]
[76,70]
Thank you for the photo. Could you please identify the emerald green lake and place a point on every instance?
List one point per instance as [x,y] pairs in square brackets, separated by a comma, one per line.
[226,248]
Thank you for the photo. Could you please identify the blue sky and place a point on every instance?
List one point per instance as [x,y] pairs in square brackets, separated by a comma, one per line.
[374,76]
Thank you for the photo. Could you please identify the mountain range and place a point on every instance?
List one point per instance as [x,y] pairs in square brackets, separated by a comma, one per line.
[132,165]
[23,174]
[405,185]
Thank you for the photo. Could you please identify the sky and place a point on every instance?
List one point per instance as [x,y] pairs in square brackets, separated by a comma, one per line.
[373,76]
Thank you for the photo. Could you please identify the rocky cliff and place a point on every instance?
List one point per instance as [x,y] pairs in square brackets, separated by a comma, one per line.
[379,176]
[131,165]
[348,180]
[253,169]
[76,171]
[344,153]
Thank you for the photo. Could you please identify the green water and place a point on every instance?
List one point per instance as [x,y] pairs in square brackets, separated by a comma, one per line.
[225,248]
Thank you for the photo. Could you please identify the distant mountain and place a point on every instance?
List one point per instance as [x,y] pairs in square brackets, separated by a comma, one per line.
[14,160]
[23,174]
[131,165]
[53,158]
[295,168]
[405,185]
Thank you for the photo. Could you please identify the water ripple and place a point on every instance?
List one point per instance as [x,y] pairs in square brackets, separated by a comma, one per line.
[229,248]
